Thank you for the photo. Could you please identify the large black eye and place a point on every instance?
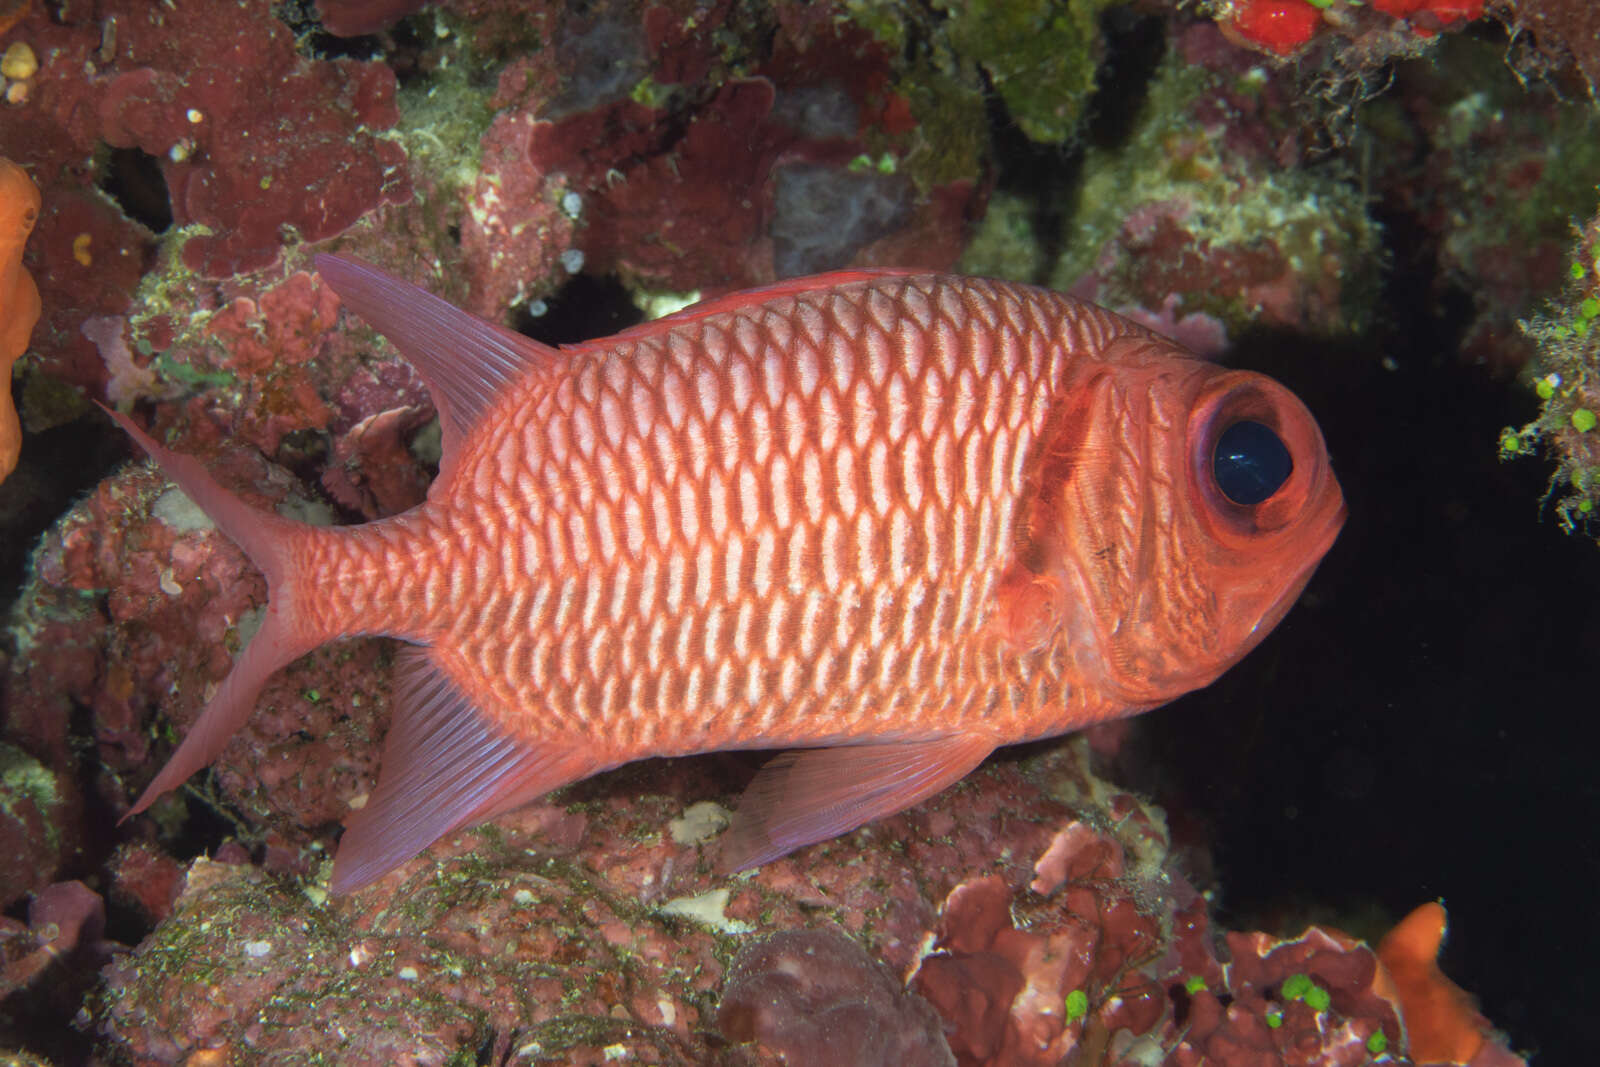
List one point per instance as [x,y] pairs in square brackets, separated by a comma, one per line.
[1250,463]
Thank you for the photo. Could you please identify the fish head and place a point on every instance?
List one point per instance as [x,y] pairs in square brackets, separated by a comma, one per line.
[1180,509]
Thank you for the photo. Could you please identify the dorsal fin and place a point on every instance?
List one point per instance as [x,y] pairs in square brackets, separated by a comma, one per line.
[748,297]
[466,361]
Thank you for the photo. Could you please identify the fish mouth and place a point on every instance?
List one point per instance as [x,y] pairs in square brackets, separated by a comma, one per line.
[1330,527]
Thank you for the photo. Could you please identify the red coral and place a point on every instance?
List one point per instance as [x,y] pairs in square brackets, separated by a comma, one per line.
[1004,989]
[1445,11]
[674,174]
[1284,26]
[252,137]
[145,878]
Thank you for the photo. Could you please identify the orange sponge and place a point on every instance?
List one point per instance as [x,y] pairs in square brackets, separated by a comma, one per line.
[19,297]
[1442,1024]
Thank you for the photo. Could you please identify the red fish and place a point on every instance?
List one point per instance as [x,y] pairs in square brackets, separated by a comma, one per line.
[891,520]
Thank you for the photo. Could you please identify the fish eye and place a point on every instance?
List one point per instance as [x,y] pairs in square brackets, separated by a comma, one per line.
[1250,462]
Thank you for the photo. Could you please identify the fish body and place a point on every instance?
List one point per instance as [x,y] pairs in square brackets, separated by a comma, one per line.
[891,520]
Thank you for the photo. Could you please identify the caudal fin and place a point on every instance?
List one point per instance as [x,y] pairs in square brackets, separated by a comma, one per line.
[265,539]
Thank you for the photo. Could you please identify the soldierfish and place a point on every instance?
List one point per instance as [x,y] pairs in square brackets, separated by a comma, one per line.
[891,520]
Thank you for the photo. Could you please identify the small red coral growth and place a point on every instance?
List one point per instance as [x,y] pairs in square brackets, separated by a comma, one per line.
[145,879]
[1444,10]
[1284,26]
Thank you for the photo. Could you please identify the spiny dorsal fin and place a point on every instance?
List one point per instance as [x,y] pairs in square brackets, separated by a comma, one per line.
[466,361]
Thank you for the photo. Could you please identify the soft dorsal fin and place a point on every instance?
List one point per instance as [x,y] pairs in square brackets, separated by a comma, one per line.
[466,361]
[750,297]
[814,794]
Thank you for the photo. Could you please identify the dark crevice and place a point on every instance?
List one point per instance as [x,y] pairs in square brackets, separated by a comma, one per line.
[56,465]
[1041,175]
[133,179]
[204,828]
[314,42]
[1135,46]
[586,307]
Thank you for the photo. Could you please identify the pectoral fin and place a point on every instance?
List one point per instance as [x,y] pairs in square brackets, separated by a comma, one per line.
[814,794]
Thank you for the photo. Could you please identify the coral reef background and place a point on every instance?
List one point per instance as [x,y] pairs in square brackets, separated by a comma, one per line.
[1390,206]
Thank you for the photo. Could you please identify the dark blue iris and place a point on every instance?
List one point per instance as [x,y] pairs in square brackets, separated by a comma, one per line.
[1250,463]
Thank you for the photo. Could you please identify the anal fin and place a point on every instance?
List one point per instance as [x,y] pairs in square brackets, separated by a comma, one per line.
[813,794]
[445,766]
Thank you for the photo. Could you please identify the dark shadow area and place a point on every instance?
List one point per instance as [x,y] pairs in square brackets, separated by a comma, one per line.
[1135,46]
[56,466]
[1414,728]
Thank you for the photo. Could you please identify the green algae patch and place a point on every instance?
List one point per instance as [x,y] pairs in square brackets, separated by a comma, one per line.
[1006,243]
[475,946]
[30,798]
[1040,56]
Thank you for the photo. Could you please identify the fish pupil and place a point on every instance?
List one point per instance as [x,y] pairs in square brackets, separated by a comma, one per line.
[1250,463]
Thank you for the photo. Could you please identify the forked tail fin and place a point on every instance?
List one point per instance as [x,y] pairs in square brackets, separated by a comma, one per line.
[266,539]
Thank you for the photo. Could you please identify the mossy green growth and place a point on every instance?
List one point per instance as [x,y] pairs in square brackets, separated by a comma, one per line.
[1006,244]
[28,791]
[442,122]
[1565,376]
[1234,209]
[1040,56]
[1296,986]
[1489,93]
